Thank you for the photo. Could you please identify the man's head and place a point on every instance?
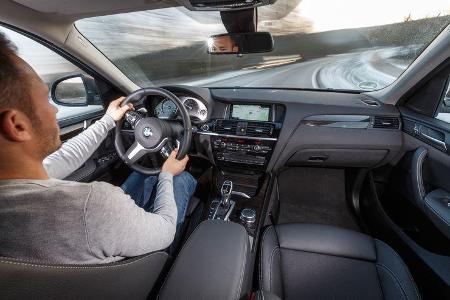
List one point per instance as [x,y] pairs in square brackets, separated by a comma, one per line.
[27,119]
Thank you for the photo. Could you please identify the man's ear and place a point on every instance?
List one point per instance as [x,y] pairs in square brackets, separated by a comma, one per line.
[15,126]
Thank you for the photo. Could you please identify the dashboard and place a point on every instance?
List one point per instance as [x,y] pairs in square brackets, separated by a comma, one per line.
[264,129]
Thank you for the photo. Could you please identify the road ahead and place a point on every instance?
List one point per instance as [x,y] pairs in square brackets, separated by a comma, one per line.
[368,69]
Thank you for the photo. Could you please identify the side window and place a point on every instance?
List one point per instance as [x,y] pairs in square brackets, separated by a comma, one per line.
[72,91]
[443,113]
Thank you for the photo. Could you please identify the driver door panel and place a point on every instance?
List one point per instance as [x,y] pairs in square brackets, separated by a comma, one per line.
[101,162]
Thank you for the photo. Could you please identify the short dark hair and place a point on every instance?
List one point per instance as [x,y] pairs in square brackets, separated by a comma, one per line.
[14,83]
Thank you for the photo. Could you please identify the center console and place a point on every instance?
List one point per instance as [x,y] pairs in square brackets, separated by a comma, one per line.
[215,263]
[245,137]
[242,142]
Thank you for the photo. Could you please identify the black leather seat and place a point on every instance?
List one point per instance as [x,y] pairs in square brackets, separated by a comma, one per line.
[132,278]
[310,261]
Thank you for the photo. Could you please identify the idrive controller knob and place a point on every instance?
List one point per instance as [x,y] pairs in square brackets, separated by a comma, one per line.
[248,215]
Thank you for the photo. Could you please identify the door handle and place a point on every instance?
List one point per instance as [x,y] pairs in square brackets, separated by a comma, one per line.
[427,133]
[434,140]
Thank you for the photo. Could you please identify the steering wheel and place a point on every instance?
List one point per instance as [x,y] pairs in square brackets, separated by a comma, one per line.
[151,134]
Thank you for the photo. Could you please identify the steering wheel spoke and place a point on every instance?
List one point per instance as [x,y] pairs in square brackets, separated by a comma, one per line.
[133,117]
[135,152]
[169,146]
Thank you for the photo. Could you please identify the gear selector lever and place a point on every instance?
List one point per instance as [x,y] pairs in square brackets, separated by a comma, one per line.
[225,206]
[226,191]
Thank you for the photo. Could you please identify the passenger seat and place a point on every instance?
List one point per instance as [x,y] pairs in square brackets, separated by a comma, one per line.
[311,261]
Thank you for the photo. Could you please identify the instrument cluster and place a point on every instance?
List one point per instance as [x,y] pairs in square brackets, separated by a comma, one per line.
[166,109]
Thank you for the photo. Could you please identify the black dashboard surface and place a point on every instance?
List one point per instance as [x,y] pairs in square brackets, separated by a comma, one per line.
[371,146]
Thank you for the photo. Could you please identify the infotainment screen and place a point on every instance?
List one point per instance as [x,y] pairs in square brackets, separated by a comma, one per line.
[250,112]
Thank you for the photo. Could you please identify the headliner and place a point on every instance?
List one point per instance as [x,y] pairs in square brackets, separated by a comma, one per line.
[90,8]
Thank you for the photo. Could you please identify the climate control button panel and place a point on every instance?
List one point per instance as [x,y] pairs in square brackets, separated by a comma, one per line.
[228,151]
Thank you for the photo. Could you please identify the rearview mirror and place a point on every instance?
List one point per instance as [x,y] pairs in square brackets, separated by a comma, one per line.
[75,90]
[240,43]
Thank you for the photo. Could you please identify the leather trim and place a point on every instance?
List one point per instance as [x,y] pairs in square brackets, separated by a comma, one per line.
[118,264]
[416,176]
[270,273]
[211,265]
[387,257]
[392,275]
[437,210]
[271,264]
[130,278]
[324,239]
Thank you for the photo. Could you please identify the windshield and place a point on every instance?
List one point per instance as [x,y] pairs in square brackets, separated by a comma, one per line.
[318,44]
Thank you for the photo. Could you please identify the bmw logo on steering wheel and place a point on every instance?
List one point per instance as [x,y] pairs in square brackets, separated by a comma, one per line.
[147,132]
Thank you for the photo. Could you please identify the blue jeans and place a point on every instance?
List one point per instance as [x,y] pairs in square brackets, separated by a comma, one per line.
[140,188]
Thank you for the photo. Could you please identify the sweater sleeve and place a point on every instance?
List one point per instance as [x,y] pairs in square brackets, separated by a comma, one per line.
[76,151]
[116,226]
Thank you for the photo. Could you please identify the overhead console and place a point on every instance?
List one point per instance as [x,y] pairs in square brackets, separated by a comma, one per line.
[246,136]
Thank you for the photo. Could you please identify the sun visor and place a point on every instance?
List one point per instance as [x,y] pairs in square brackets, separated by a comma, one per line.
[92,8]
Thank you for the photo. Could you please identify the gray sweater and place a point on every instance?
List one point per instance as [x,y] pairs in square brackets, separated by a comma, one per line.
[68,222]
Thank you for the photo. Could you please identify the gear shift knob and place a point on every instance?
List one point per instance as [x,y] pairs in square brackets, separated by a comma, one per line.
[225,191]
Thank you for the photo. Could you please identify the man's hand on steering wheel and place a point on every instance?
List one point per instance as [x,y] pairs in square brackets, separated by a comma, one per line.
[174,166]
[152,135]
[116,111]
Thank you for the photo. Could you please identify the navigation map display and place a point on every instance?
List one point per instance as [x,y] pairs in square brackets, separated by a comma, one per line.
[250,112]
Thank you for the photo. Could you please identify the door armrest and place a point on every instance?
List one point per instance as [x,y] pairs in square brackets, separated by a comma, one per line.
[438,210]
[213,264]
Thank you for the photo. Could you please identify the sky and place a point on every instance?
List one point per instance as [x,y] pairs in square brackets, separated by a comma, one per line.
[338,14]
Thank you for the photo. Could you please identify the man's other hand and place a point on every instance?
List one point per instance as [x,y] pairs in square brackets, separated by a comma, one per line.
[115,111]
[174,166]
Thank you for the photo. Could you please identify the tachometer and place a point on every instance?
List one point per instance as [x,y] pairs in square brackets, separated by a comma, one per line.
[196,108]
[192,106]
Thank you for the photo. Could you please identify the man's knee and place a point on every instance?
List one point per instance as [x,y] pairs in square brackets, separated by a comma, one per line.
[185,179]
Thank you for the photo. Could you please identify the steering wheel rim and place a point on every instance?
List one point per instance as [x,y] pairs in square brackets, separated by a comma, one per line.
[149,123]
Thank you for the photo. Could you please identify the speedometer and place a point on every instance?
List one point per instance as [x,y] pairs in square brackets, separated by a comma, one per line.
[166,109]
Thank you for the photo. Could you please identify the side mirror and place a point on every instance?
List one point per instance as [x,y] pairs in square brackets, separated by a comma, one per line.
[75,90]
[240,43]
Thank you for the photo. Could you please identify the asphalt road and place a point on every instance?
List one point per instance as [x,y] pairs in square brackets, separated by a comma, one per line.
[363,70]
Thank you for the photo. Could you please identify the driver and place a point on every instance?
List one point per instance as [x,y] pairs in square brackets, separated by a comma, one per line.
[46,219]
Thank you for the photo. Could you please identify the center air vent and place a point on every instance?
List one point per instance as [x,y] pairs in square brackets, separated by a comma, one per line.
[382,122]
[243,128]
[226,127]
[259,129]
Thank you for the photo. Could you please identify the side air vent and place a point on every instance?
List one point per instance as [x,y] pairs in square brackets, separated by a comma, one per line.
[382,122]
[226,126]
[260,129]
[370,101]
